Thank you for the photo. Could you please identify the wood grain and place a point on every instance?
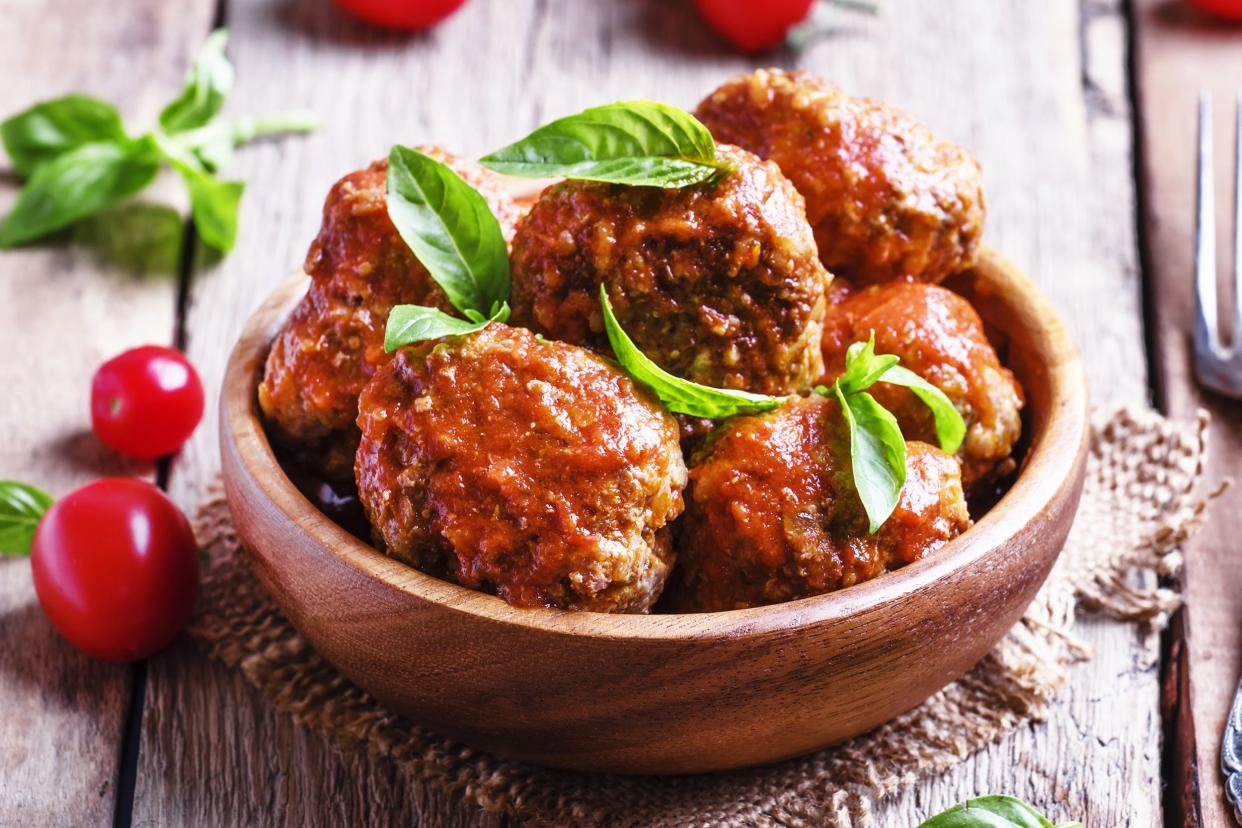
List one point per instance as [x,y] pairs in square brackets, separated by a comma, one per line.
[1037,90]
[1180,52]
[63,310]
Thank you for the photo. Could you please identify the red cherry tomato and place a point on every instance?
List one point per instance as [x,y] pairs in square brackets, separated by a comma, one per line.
[401,14]
[146,402]
[754,25]
[116,568]
[1231,9]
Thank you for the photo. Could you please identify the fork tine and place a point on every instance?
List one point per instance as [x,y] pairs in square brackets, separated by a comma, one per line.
[1207,340]
[1235,338]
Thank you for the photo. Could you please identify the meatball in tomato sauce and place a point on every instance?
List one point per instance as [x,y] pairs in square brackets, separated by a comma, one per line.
[533,469]
[334,340]
[886,198]
[717,282]
[939,336]
[772,513]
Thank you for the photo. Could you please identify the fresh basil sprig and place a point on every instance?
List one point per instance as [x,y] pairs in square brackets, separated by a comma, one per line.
[207,84]
[877,454]
[641,143]
[53,128]
[877,447]
[79,183]
[679,395]
[21,508]
[78,159]
[993,812]
[453,233]
[451,230]
[415,323]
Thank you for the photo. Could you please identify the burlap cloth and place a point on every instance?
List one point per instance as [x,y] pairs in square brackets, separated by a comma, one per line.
[1138,506]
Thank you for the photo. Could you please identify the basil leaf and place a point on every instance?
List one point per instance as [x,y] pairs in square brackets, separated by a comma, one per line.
[206,85]
[416,323]
[450,228]
[642,143]
[863,367]
[21,508]
[54,127]
[950,427]
[678,395]
[213,205]
[78,183]
[993,812]
[877,454]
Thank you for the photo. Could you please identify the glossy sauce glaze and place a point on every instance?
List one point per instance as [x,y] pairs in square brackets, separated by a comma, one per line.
[772,514]
[886,198]
[359,268]
[532,469]
[718,283]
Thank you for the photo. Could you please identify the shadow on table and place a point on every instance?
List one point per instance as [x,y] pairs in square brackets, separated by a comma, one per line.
[37,657]
[1180,14]
[82,452]
[139,238]
[678,28]
[322,20]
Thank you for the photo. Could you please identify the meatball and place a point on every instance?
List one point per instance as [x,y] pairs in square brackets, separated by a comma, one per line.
[718,283]
[938,335]
[533,469]
[772,513]
[887,200]
[334,340]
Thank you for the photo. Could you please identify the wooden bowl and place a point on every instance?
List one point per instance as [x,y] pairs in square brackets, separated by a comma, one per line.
[668,694]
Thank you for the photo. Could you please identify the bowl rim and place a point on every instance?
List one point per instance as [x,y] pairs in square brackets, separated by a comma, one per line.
[1056,445]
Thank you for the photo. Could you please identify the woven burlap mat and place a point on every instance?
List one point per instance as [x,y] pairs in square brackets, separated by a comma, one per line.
[1138,506]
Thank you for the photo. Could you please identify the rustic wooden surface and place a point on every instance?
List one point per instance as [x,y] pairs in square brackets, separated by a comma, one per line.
[64,309]
[1181,52]
[1038,90]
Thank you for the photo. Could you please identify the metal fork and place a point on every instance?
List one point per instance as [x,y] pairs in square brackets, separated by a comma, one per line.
[1219,367]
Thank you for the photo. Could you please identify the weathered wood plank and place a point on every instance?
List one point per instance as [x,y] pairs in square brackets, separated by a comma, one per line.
[1179,52]
[63,310]
[1006,79]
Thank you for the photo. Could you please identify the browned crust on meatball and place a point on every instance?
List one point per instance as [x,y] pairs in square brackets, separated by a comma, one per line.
[939,336]
[772,513]
[334,340]
[718,282]
[533,469]
[886,198]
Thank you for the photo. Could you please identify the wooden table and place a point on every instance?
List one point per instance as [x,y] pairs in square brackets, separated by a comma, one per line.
[1080,110]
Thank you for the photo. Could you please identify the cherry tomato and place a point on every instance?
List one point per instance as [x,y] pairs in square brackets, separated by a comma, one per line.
[401,14]
[1231,9]
[146,402]
[116,568]
[751,25]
